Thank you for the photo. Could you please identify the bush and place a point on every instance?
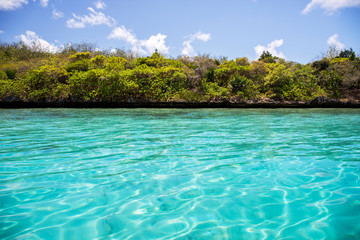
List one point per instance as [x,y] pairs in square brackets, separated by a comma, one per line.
[338,60]
[244,61]
[215,92]
[321,65]
[42,83]
[304,85]
[80,56]
[257,72]
[46,76]
[238,83]
[188,95]
[98,61]
[10,73]
[115,64]
[83,74]
[80,65]
[331,82]
[210,75]
[84,85]
[173,78]
[267,57]
[222,75]
[3,75]
[279,80]
[347,53]
[243,87]
[348,71]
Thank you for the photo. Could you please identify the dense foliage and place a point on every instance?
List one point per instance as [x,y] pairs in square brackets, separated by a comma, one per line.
[81,73]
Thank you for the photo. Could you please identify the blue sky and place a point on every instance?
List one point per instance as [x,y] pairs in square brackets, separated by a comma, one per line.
[300,30]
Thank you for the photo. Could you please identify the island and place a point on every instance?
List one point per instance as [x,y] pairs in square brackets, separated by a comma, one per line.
[81,76]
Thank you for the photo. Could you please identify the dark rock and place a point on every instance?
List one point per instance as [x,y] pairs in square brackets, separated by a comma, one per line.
[319,100]
[11,99]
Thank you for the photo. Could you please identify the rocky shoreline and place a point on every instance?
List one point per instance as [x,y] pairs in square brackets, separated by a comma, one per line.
[319,102]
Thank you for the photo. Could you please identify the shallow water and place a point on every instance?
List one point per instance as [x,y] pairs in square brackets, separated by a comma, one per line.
[179,174]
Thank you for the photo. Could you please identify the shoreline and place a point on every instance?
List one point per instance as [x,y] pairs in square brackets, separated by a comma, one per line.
[319,102]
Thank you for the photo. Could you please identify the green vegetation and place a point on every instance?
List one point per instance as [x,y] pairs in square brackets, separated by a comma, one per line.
[80,73]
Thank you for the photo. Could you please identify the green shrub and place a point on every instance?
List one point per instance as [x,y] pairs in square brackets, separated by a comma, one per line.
[80,65]
[304,85]
[98,61]
[321,65]
[279,80]
[210,75]
[331,82]
[222,75]
[267,57]
[215,92]
[46,76]
[115,64]
[347,54]
[258,71]
[42,82]
[3,75]
[84,85]
[80,56]
[244,61]
[173,78]
[338,60]
[238,82]
[188,95]
[10,73]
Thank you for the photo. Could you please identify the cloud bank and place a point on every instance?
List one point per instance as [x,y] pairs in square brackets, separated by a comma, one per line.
[188,49]
[146,46]
[92,19]
[334,42]
[330,6]
[271,48]
[33,41]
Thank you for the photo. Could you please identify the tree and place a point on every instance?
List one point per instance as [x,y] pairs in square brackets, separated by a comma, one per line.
[347,53]
[332,53]
[267,57]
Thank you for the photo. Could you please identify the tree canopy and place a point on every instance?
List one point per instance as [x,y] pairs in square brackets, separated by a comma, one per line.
[80,72]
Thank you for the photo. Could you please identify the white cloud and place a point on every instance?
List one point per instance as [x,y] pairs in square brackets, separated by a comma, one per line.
[188,50]
[1,32]
[92,19]
[146,46]
[100,4]
[155,42]
[15,4]
[330,6]
[121,33]
[334,42]
[32,40]
[11,4]
[271,48]
[43,3]
[57,14]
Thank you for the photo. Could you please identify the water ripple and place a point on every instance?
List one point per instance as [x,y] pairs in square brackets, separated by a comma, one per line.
[179,174]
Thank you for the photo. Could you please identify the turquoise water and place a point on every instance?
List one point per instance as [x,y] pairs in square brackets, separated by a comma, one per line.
[179,174]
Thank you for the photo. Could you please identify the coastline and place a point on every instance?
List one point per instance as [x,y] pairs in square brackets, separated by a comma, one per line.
[319,102]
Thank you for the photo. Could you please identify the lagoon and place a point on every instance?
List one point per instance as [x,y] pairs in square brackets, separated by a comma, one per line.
[179,173]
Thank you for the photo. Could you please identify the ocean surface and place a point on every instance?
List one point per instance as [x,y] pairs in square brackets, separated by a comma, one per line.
[179,174]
